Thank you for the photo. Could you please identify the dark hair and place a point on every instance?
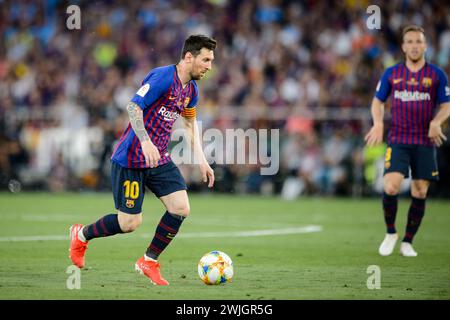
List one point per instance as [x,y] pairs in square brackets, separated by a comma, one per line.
[195,43]
[412,27]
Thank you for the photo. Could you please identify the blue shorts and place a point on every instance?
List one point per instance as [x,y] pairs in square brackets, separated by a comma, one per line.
[128,184]
[420,159]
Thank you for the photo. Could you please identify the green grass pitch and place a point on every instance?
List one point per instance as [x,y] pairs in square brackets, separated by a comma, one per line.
[329,264]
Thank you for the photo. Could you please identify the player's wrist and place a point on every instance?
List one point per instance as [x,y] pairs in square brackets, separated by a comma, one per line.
[378,124]
[435,123]
[204,163]
[147,142]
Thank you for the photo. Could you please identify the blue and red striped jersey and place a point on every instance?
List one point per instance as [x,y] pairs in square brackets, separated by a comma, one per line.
[414,101]
[162,99]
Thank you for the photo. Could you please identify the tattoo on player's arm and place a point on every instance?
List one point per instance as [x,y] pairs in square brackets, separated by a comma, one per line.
[137,121]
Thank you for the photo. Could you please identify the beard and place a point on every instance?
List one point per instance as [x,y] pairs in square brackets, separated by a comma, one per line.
[416,59]
[196,76]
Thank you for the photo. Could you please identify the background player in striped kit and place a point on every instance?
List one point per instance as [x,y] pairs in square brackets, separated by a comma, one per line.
[420,104]
[141,158]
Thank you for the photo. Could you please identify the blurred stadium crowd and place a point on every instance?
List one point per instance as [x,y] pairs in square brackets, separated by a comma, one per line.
[308,68]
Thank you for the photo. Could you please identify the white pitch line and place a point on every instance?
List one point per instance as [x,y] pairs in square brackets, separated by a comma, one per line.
[34,238]
[48,218]
[230,234]
[252,233]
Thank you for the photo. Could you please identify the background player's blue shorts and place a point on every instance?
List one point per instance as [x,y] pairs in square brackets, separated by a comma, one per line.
[421,159]
[128,185]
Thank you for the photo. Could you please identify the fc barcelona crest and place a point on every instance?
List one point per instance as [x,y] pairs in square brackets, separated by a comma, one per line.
[130,203]
[427,82]
[412,82]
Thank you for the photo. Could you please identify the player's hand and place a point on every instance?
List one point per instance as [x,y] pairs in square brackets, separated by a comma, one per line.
[375,135]
[435,134]
[207,174]
[151,153]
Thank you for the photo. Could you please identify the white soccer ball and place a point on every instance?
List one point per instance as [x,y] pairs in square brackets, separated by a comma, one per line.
[215,267]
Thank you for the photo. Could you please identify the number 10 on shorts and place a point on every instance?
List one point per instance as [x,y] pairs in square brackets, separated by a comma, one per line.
[131,192]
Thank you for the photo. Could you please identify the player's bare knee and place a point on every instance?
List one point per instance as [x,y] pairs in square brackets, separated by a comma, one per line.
[419,189]
[129,223]
[181,209]
[391,189]
[419,193]
[131,226]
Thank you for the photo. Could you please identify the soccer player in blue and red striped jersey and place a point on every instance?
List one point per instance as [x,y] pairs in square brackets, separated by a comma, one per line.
[420,103]
[141,158]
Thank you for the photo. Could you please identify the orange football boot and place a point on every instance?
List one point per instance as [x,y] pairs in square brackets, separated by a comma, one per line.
[77,247]
[151,270]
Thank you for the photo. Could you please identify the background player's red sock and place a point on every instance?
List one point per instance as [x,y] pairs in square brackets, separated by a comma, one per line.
[104,227]
[390,204]
[415,215]
[165,232]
